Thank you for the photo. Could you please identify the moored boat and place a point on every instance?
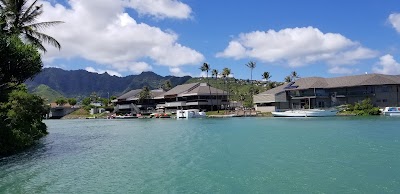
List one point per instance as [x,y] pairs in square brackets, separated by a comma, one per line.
[391,111]
[125,117]
[306,113]
[192,113]
[160,115]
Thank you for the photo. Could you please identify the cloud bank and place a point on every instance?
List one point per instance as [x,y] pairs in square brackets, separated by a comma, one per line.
[101,31]
[298,47]
[387,65]
[394,19]
[161,8]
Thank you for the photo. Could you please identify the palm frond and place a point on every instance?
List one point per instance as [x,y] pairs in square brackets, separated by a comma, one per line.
[43,25]
[27,11]
[36,42]
[31,16]
[46,38]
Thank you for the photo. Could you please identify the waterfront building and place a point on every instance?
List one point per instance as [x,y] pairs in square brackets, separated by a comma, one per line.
[317,92]
[186,96]
[192,96]
[130,102]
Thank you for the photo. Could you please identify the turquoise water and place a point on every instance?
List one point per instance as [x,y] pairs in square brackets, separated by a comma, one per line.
[238,155]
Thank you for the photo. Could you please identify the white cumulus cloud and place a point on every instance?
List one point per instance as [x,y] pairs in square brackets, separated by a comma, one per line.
[394,19]
[101,71]
[102,32]
[387,65]
[161,8]
[297,47]
[342,70]
[176,71]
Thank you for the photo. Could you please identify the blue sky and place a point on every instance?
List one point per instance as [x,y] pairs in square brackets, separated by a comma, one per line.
[315,38]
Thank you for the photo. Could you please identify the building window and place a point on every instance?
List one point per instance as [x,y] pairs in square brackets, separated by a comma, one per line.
[384,100]
[379,100]
[385,89]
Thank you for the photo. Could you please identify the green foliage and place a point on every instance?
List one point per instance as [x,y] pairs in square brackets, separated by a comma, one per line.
[19,19]
[86,101]
[266,75]
[167,85]
[21,121]
[205,67]
[19,62]
[363,108]
[288,79]
[47,93]
[144,94]
[72,101]
[61,101]
[239,90]
[104,101]
[251,65]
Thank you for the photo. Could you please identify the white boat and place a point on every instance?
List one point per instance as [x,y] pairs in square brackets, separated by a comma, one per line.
[125,117]
[306,113]
[391,111]
[192,113]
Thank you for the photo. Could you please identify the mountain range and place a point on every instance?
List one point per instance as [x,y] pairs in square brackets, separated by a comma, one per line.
[81,83]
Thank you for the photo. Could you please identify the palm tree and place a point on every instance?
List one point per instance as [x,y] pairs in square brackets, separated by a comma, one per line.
[214,72]
[167,85]
[251,65]
[225,73]
[19,19]
[294,75]
[206,67]
[266,76]
[288,79]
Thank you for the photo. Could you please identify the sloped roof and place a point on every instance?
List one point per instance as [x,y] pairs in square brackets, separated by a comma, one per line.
[275,91]
[129,94]
[193,89]
[346,81]
[204,89]
[134,94]
[180,89]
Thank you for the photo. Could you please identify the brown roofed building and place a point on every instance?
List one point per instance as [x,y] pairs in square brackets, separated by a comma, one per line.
[317,92]
[193,96]
[186,96]
[130,102]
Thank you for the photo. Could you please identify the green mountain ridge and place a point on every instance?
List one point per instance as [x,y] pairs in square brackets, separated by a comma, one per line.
[81,83]
[47,93]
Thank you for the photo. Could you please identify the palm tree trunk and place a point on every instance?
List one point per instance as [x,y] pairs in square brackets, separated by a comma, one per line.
[251,90]
[209,89]
[217,95]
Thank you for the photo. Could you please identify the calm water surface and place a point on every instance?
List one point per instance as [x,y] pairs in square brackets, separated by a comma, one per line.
[238,155]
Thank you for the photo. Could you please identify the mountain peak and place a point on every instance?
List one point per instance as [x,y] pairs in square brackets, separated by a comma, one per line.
[73,83]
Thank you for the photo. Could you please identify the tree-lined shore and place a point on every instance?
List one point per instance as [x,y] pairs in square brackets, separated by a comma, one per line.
[21,113]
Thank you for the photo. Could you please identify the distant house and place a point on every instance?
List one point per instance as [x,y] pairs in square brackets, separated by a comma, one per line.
[317,92]
[96,104]
[186,96]
[271,100]
[192,96]
[130,102]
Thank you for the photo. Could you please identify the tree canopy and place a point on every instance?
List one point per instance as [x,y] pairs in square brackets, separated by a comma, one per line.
[144,94]
[19,18]
[18,61]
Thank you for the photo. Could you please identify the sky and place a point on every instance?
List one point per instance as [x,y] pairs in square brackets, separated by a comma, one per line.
[322,38]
